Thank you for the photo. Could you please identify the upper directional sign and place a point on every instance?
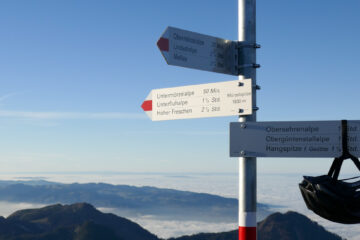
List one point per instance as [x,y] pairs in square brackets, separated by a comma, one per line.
[198,101]
[292,139]
[193,50]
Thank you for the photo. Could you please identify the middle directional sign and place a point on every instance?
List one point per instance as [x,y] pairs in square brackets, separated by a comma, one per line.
[199,101]
[194,50]
[292,139]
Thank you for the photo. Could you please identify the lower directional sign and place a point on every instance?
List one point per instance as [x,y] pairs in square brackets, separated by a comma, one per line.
[292,139]
[198,101]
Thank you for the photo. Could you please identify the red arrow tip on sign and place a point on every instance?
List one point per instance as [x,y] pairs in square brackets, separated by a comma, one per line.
[163,44]
[147,105]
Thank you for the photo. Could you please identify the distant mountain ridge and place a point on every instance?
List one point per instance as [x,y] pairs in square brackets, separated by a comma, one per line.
[130,200]
[81,221]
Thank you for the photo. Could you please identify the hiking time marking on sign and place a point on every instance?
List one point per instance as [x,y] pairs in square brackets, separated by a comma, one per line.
[292,139]
[199,101]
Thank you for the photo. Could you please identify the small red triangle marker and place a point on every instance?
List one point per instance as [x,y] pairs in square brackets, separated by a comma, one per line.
[147,105]
[163,44]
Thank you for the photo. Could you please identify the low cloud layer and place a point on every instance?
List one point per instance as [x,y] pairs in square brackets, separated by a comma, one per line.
[278,190]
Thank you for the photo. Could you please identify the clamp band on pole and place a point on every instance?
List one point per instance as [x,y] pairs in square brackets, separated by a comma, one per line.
[247,45]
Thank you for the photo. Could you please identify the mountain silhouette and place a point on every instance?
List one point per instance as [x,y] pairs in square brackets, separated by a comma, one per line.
[70,222]
[81,221]
[288,226]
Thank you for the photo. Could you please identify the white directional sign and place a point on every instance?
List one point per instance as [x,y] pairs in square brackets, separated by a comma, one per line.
[193,50]
[198,101]
[292,139]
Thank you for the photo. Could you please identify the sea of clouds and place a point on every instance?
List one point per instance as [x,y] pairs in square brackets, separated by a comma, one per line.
[278,190]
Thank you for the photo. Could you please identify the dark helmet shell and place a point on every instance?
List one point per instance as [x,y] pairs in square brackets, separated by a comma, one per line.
[335,200]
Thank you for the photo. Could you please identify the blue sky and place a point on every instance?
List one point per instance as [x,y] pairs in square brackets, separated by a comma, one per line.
[74,74]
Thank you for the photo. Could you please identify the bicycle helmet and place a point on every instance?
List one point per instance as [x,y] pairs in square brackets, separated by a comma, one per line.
[330,198]
[337,201]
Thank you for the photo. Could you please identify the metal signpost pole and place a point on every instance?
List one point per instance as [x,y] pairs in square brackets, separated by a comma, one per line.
[247,165]
[198,51]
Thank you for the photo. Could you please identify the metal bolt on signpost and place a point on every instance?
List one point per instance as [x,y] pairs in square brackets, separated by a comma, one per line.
[247,165]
